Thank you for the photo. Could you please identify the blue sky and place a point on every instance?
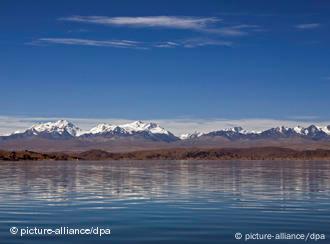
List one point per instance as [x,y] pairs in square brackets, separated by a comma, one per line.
[165,59]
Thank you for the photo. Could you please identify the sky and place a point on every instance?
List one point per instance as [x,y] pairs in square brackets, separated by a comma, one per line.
[167,61]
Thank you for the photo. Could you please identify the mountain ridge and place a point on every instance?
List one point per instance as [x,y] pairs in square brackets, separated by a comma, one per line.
[65,126]
[63,135]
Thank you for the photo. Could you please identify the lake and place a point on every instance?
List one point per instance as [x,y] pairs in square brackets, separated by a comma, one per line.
[164,201]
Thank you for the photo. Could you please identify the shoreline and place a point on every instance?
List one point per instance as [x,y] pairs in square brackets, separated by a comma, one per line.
[225,154]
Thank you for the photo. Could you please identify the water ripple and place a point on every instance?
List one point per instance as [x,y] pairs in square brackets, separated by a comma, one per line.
[170,202]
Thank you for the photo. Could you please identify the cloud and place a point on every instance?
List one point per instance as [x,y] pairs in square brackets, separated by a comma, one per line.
[167,44]
[175,22]
[88,42]
[202,24]
[309,26]
[177,126]
[198,42]
[186,43]
[193,43]
[235,30]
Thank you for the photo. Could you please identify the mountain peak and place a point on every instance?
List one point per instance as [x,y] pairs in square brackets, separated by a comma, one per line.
[102,128]
[138,126]
[327,129]
[59,123]
[282,129]
[194,135]
[236,129]
[298,129]
[65,129]
[312,129]
[128,129]
[138,123]
[59,127]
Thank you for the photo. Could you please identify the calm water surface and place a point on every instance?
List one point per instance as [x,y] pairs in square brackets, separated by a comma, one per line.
[165,202]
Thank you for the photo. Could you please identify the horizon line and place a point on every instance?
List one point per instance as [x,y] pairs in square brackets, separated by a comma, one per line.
[177,126]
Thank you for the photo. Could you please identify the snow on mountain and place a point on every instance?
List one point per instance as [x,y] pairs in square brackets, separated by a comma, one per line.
[150,131]
[311,132]
[231,133]
[194,135]
[105,128]
[299,130]
[60,128]
[238,129]
[234,129]
[131,128]
[138,126]
[63,129]
[315,132]
[326,129]
[12,133]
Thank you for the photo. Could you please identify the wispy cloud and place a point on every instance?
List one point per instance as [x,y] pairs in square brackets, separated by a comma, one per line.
[186,43]
[167,44]
[201,24]
[236,30]
[200,42]
[308,26]
[88,42]
[193,43]
[177,22]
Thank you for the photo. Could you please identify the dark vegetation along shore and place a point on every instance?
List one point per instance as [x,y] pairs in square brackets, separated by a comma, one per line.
[262,153]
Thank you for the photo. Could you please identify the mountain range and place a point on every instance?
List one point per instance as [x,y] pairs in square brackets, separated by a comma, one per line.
[63,135]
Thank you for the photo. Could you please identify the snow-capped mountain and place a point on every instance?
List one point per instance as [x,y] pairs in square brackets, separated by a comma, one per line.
[230,133]
[136,129]
[311,132]
[188,136]
[327,129]
[57,130]
[139,126]
[102,129]
[131,128]
[278,132]
[132,133]
[64,129]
